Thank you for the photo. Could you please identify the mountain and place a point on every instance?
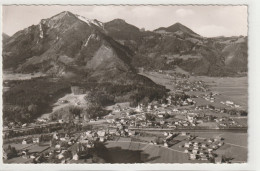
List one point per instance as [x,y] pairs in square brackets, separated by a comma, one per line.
[125,33]
[73,47]
[69,44]
[119,29]
[178,45]
[65,40]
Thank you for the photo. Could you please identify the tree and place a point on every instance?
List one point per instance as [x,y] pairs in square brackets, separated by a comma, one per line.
[33,109]
[75,111]
[145,101]
[150,117]
[166,116]
[95,110]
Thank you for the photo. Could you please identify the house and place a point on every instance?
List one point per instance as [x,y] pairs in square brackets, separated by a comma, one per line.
[218,160]
[112,131]
[210,141]
[194,151]
[57,146]
[27,141]
[217,138]
[36,140]
[229,102]
[25,154]
[101,133]
[203,145]
[24,142]
[186,151]
[131,133]
[75,157]
[186,145]
[55,136]
[60,156]
[88,134]
[183,133]
[162,122]
[175,110]
[101,139]
[76,90]
[193,156]
[220,143]
[160,116]
[204,158]
[139,108]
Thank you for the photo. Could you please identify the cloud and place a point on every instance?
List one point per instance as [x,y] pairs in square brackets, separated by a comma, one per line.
[184,12]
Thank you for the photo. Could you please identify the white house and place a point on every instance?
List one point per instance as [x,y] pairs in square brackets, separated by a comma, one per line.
[75,157]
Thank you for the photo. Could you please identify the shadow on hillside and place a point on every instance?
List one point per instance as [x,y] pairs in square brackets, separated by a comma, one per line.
[119,155]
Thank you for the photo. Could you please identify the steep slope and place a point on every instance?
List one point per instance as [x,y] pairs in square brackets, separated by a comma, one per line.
[5,38]
[62,40]
[125,33]
[235,54]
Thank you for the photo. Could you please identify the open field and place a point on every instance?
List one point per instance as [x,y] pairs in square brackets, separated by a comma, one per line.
[241,121]
[67,100]
[230,88]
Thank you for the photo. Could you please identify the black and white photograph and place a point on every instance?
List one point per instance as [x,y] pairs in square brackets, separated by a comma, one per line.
[125,84]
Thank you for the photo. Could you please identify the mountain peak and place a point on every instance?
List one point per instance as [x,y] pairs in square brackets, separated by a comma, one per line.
[177,27]
[118,21]
[63,14]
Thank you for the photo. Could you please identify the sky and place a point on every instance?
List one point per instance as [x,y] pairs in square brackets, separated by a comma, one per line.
[208,21]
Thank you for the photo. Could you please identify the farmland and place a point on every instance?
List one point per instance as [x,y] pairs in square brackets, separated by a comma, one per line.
[233,88]
[235,147]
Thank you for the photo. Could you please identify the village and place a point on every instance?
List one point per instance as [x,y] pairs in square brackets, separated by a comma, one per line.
[175,119]
[82,146]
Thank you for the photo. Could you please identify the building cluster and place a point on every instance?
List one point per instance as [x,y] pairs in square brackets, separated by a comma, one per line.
[203,150]
[230,104]
[210,97]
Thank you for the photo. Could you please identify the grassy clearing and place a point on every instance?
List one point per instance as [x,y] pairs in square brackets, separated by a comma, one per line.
[151,153]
